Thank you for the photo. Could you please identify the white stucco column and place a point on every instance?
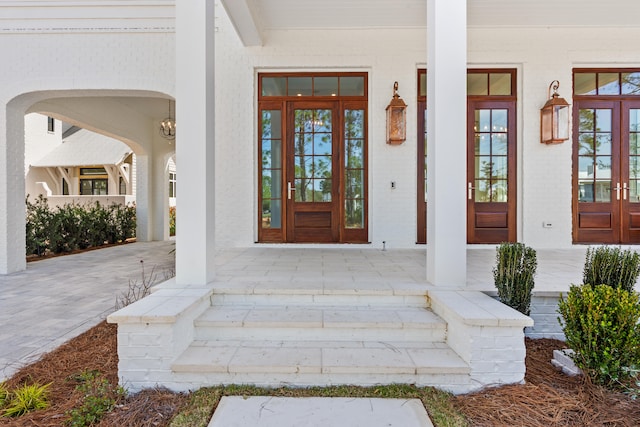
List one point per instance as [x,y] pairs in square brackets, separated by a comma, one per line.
[144,197]
[446,142]
[195,141]
[12,205]
[160,226]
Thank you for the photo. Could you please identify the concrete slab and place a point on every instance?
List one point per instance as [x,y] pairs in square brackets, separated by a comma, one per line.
[265,411]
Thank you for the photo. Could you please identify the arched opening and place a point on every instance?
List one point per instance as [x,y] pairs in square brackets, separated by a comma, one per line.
[130,117]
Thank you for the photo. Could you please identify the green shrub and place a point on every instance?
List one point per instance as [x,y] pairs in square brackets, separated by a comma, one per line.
[172,221]
[4,394]
[124,222]
[99,398]
[71,227]
[513,275]
[38,219]
[611,266]
[26,399]
[601,325]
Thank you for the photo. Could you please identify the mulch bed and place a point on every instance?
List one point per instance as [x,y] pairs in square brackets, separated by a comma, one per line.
[549,398]
[95,350]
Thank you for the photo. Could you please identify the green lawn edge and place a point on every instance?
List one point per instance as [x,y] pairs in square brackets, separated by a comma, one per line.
[439,404]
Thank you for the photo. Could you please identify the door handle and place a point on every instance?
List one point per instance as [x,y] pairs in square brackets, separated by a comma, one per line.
[290,188]
[617,188]
[470,189]
[625,188]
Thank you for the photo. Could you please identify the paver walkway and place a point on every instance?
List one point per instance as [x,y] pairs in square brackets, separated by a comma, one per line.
[56,299]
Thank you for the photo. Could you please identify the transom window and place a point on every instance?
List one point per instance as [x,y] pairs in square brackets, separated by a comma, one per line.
[607,82]
[304,86]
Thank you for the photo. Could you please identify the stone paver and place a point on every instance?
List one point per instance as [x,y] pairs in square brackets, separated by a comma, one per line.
[56,299]
[236,411]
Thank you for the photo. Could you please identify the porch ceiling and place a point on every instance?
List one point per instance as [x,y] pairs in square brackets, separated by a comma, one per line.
[252,18]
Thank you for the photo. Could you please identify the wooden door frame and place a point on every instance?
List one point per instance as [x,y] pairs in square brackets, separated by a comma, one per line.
[630,220]
[421,203]
[354,95]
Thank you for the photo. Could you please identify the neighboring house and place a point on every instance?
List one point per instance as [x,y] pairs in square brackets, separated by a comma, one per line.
[83,168]
[283,138]
[67,164]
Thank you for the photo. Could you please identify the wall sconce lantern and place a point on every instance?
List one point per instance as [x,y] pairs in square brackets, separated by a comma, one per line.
[554,117]
[168,126]
[396,119]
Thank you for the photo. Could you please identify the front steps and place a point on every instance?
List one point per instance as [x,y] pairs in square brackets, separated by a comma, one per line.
[317,317]
[306,338]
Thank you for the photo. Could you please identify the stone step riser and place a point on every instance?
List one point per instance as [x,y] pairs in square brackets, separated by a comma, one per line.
[302,300]
[371,333]
[452,382]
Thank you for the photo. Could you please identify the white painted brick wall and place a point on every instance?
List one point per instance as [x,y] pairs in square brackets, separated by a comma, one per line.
[544,172]
[544,312]
[492,346]
[143,60]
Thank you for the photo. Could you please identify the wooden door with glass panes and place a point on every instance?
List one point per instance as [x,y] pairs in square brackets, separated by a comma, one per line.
[597,180]
[313,172]
[606,171]
[491,165]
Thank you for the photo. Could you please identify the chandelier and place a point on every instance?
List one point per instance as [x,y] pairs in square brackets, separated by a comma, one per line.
[168,126]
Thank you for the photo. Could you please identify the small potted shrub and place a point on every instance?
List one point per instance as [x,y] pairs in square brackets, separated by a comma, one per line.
[513,275]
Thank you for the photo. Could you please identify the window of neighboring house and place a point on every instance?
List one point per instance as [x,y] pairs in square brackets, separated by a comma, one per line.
[51,124]
[172,184]
[65,187]
[93,182]
[123,186]
[93,187]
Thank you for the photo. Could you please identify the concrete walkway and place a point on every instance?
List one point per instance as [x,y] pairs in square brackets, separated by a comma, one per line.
[242,411]
[56,299]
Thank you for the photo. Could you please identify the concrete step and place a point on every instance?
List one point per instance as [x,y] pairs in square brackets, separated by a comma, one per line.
[312,362]
[320,323]
[310,293]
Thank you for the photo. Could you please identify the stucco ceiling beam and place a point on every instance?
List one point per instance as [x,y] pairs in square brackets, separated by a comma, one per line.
[242,15]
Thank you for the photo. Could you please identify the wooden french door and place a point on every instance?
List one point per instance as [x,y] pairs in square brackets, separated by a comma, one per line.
[313,172]
[606,171]
[491,171]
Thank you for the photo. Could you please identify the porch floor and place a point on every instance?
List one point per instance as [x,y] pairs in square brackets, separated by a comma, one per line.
[358,269]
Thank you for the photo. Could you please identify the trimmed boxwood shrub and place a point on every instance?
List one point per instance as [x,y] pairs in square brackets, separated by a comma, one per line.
[611,266]
[513,275]
[600,324]
[71,227]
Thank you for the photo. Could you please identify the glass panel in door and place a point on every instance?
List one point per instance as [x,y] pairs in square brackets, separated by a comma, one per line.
[313,151]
